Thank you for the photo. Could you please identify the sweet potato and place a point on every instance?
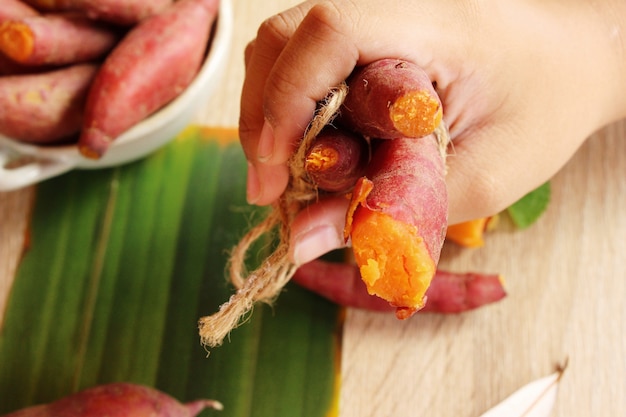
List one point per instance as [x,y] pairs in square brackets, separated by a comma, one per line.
[145,71]
[47,107]
[397,221]
[126,12]
[117,400]
[448,292]
[469,233]
[336,159]
[56,39]
[15,9]
[391,98]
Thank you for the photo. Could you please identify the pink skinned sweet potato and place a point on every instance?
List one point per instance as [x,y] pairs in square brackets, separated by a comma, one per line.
[145,71]
[117,400]
[45,107]
[57,39]
[15,9]
[124,12]
[336,159]
[448,292]
[391,98]
[397,220]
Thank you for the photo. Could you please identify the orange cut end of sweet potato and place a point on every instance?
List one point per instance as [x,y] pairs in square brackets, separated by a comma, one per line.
[469,234]
[321,159]
[362,188]
[16,41]
[416,114]
[393,259]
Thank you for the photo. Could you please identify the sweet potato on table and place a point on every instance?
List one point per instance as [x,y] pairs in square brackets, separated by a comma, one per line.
[47,107]
[56,39]
[448,292]
[391,98]
[469,233]
[117,400]
[336,159]
[15,9]
[127,12]
[154,63]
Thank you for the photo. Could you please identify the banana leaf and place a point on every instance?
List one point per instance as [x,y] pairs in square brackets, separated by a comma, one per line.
[120,265]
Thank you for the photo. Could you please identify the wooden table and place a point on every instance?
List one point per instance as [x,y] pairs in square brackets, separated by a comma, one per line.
[566,278]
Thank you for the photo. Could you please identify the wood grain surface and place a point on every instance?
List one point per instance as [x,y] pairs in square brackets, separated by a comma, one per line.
[566,278]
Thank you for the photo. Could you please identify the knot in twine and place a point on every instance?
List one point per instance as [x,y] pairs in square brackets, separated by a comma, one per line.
[265,283]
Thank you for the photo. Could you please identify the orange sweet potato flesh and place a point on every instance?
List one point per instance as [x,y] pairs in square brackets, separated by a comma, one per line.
[469,234]
[145,71]
[391,98]
[117,400]
[397,221]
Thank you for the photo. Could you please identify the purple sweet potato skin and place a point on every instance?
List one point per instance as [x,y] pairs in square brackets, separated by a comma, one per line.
[409,185]
[66,38]
[15,9]
[46,107]
[115,400]
[123,12]
[448,293]
[346,156]
[374,88]
[152,65]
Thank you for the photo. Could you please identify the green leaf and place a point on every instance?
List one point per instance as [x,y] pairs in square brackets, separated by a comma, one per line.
[122,263]
[529,208]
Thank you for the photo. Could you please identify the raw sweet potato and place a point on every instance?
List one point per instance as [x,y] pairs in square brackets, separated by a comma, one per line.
[391,98]
[46,107]
[126,12]
[15,9]
[336,159]
[56,39]
[117,400]
[448,292]
[154,63]
[397,221]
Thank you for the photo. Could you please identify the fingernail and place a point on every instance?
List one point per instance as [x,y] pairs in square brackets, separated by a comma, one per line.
[253,189]
[265,148]
[316,242]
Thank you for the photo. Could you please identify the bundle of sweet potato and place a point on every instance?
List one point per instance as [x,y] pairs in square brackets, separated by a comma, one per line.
[85,71]
[382,151]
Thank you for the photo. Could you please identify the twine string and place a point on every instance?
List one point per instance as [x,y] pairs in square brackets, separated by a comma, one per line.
[267,281]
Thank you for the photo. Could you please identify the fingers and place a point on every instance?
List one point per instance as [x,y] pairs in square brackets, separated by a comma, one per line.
[318,229]
[297,57]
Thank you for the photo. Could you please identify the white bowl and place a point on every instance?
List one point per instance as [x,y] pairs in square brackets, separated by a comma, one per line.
[39,163]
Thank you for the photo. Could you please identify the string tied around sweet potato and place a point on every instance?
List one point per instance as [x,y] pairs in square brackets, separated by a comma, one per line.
[266,282]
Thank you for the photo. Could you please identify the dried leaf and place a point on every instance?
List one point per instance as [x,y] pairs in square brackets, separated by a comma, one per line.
[535,399]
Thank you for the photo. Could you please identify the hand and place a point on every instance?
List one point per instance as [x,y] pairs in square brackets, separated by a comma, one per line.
[523,84]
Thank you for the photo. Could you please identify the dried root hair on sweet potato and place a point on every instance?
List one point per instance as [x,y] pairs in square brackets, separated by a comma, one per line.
[336,159]
[391,98]
[57,39]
